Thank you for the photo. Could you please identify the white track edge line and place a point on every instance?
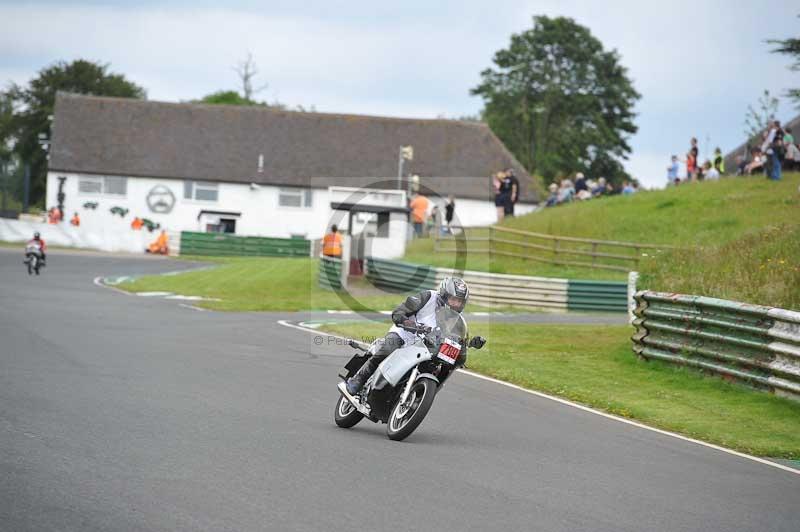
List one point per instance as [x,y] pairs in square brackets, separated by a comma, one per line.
[192,307]
[594,411]
[98,281]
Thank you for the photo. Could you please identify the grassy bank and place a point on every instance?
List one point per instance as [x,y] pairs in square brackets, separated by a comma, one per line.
[704,214]
[594,365]
[421,252]
[741,234]
[261,283]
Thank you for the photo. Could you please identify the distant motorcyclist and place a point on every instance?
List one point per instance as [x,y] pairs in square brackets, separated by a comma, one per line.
[39,241]
[417,310]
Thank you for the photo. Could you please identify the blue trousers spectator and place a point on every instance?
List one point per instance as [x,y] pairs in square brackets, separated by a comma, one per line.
[775,171]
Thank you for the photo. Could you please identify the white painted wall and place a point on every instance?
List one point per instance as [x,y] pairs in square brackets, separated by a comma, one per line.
[260,213]
[112,237]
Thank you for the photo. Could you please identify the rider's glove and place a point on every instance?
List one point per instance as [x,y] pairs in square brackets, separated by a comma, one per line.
[477,342]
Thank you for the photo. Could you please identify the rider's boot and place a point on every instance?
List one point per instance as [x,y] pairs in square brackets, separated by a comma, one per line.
[356,382]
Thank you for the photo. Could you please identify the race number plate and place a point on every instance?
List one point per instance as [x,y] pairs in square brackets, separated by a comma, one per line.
[449,351]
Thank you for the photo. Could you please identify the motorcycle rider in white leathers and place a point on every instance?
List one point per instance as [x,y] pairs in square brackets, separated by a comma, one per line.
[417,310]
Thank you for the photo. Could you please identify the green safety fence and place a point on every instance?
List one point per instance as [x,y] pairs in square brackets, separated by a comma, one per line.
[330,273]
[506,290]
[226,245]
[757,345]
[398,276]
[610,296]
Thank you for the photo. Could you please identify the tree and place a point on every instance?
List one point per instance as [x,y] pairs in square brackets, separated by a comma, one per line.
[247,70]
[757,121]
[558,100]
[35,105]
[228,98]
[790,47]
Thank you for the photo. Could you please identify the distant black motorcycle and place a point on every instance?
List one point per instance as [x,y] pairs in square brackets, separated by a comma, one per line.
[33,258]
[401,391]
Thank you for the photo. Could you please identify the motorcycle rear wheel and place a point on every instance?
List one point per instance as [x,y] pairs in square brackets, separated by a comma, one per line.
[404,420]
[346,415]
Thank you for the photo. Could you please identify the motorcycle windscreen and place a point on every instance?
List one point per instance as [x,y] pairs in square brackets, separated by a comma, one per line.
[451,324]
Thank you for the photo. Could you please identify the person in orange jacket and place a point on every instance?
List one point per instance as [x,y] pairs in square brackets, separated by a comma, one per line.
[75,220]
[137,224]
[160,246]
[332,243]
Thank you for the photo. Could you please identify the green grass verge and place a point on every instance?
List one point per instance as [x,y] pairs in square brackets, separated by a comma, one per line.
[594,365]
[271,283]
[258,284]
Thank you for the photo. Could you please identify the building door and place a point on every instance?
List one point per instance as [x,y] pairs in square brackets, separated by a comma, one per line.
[227,225]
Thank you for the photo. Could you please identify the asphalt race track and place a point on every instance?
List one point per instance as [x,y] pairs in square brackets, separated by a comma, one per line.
[129,413]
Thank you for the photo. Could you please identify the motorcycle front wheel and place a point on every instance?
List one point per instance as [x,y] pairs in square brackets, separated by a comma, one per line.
[346,415]
[30,267]
[404,419]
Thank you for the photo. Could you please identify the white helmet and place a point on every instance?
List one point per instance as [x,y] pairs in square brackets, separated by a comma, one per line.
[453,293]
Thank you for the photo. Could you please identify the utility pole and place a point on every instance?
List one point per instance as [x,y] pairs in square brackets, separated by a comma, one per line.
[406,154]
[3,170]
[26,194]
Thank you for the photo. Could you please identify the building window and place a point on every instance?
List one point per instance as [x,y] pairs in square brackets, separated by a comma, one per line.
[115,185]
[295,197]
[200,190]
[112,186]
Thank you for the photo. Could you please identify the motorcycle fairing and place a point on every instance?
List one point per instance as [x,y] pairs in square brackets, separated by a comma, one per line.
[396,365]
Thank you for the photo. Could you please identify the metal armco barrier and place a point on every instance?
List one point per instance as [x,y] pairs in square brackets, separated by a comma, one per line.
[757,345]
[330,273]
[221,244]
[542,293]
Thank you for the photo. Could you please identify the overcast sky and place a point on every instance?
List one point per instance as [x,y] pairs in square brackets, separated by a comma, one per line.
[697,64]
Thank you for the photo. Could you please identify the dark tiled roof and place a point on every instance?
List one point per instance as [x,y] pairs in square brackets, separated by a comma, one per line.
[130,137]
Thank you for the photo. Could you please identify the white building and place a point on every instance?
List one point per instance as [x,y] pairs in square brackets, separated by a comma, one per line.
[255,170]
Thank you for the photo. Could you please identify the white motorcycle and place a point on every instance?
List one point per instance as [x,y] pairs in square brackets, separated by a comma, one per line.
[33,258]
[401,391]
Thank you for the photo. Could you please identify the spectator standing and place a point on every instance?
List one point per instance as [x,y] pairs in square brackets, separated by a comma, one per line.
[75,220]
[499,198]
[691,161]
[719,161]
[419,213]
[792,159]
[772,147]
[332,243]
[672,171]
[514,193]
[449,210]
[788,138]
